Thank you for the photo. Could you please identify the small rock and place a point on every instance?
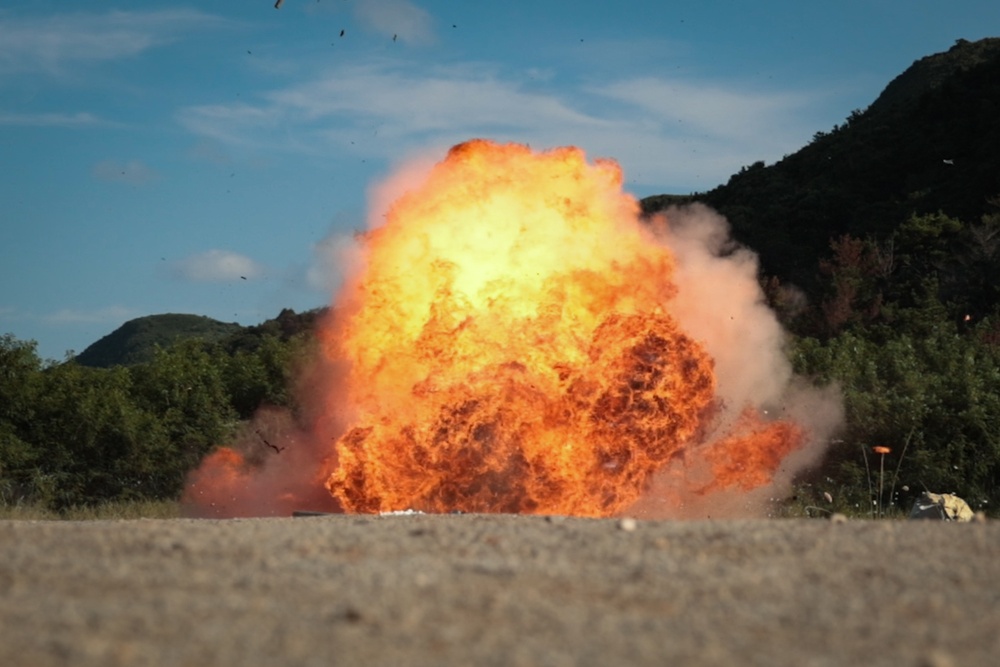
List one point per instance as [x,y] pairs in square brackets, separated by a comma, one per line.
[837,517]
[937,659]
[628,524]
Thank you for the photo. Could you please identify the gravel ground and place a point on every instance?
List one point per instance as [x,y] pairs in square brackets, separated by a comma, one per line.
[498,590]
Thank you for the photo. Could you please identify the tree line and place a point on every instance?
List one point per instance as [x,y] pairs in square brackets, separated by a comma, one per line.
[74,435]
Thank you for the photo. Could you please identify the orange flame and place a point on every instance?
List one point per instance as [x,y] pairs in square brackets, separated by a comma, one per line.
[746,459]
[512,348]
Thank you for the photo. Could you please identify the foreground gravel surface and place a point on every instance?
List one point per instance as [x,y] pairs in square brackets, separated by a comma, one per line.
[498,590]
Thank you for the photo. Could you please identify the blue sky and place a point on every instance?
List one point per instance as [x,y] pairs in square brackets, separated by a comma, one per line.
[204,157]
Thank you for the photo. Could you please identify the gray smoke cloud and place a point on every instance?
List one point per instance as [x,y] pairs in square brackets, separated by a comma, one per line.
[720,304]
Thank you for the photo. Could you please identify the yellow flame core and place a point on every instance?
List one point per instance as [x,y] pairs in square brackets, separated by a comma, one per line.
[513,349]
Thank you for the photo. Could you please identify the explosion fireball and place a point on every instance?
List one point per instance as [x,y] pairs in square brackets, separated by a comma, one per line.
[512,344]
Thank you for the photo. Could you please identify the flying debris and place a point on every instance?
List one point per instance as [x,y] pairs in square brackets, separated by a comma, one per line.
[948,161]
[243,277]
[341,33]
[394,38]
[277,5]
[277,449]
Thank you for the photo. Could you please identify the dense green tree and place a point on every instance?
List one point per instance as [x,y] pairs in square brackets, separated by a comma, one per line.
[20,375]
[183,386]
[72,434]
[93,441]
[260,376]
[921,388]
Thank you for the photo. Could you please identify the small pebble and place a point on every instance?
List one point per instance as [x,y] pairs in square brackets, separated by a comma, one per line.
[937,659]
[628,524]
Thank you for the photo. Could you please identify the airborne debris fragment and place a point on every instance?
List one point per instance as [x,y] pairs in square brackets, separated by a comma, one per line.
[260,435]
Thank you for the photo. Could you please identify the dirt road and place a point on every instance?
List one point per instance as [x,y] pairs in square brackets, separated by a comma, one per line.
[498,590]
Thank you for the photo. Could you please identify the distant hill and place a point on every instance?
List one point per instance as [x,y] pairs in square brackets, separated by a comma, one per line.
[929,143]
[135,341]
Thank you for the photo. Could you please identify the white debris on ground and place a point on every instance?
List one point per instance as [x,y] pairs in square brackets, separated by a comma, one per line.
[943,506]
[628,524]
[399,512]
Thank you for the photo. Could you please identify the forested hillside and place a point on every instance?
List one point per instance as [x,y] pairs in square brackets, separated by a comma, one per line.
[916,172]
[136,341]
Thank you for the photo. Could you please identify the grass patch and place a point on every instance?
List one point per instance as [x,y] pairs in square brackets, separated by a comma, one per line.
[114,510]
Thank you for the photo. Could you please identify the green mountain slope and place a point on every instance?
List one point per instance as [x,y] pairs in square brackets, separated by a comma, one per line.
[930,143]
[135,341]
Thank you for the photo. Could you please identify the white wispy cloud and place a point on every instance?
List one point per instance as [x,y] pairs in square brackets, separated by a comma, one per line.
[80,119]
[440,99]
[232,124]
[662,130]
[404,107]
[132,171]
[722,112]
[396,18]
[217,266]
[114,314]
[50,44]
